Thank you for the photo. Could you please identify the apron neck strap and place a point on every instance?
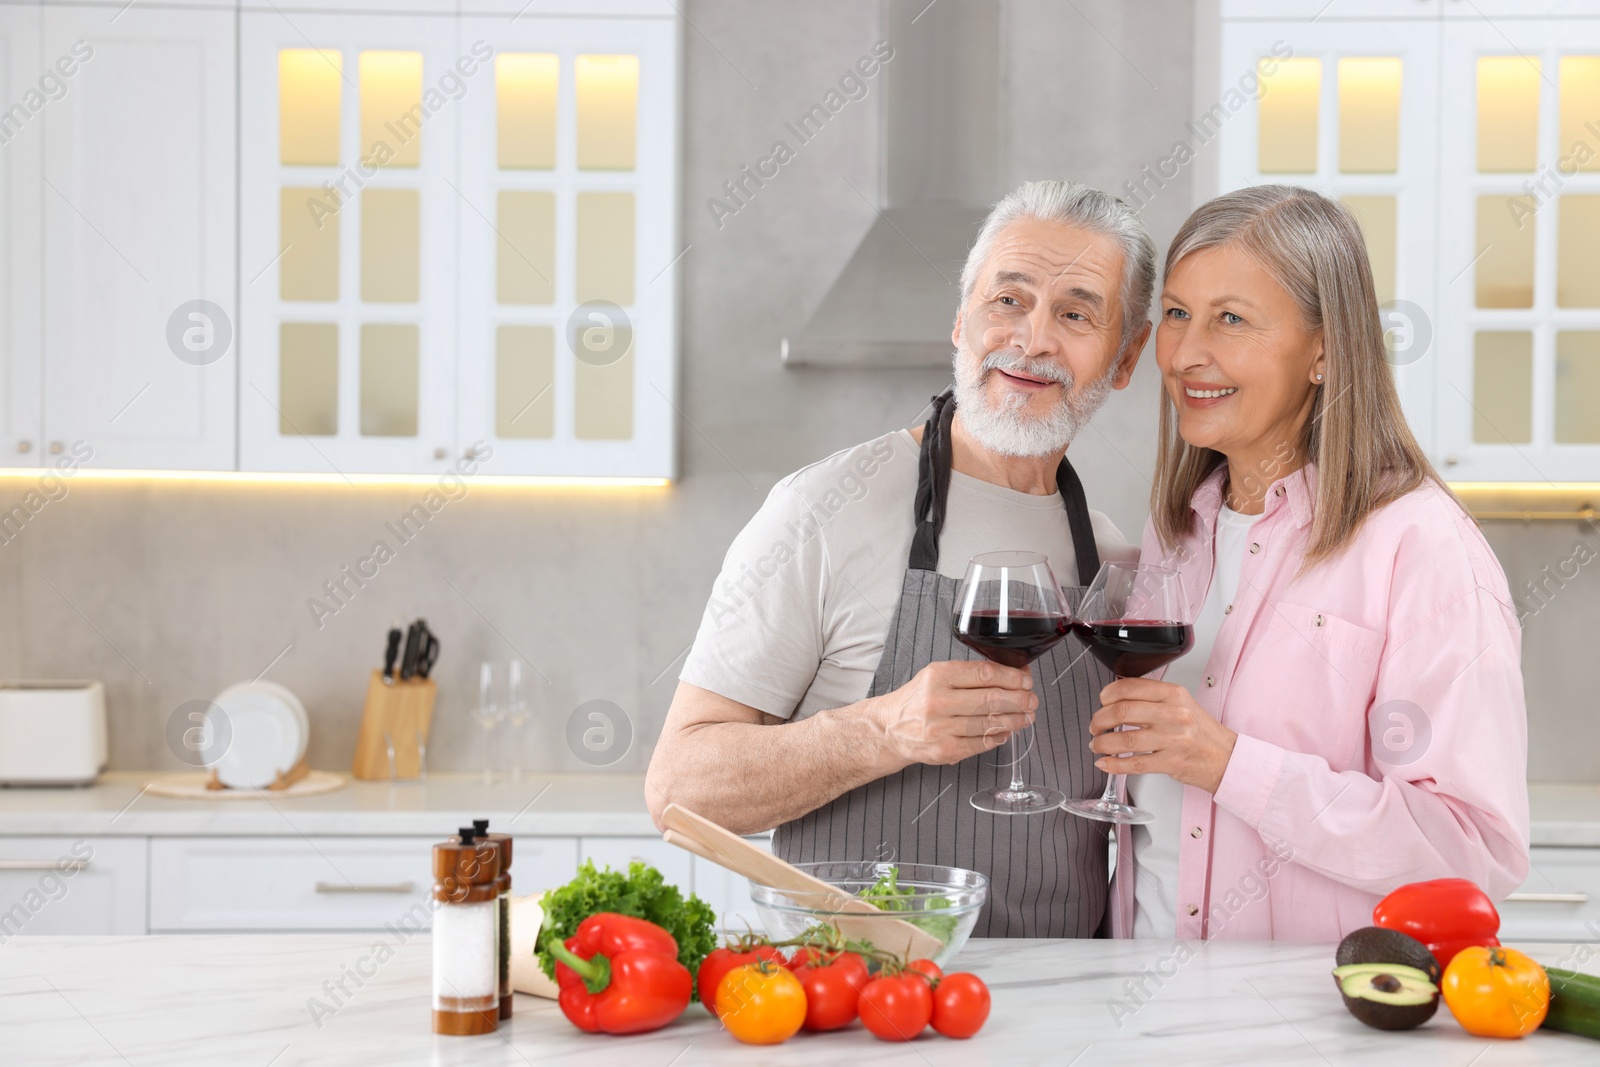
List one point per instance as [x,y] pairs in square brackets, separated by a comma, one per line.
[933,492]
[933,483]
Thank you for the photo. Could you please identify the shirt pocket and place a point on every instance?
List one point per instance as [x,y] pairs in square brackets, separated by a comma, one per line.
[1309,683]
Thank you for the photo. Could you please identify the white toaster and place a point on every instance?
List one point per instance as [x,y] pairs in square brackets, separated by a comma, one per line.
[52,733]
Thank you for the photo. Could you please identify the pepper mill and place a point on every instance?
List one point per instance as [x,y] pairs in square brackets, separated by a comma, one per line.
[503,841]
[466,936]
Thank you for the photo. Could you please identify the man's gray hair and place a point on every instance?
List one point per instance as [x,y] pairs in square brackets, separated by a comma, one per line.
[1076,204]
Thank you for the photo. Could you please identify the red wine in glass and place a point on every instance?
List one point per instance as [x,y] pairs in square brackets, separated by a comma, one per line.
[1010,609]
[1015,638]
[1135,619]
[1135,647]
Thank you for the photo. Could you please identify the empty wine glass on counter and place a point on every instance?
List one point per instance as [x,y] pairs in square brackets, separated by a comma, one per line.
[489,712]
[1010,609]
[517,712]
[1135,619]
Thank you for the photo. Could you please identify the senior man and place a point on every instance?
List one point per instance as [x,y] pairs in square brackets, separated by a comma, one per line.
[825,694]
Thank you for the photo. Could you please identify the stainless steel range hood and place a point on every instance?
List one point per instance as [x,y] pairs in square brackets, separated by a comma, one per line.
[893,303]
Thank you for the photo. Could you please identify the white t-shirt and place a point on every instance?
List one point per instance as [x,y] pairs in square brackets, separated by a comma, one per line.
[1155,845]
[800,614]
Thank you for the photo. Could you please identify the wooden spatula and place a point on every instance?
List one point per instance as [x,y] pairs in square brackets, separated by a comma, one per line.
[721,846]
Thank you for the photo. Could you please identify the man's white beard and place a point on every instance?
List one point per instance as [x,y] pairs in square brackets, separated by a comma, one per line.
[1004,427]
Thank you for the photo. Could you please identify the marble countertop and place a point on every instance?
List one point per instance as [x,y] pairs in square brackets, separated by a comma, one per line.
[1564,813]
[260,1000]
[538,804]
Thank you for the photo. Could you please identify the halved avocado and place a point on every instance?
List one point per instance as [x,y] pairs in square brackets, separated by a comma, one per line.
[1375,944]
[1387,996]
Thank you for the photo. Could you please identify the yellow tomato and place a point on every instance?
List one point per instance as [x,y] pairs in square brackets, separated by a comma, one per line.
[761,1003]
[1496,992]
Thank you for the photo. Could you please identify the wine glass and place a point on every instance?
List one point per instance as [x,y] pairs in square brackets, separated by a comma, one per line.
[488,711]
[517,710]
[1135,619]
[1010,609]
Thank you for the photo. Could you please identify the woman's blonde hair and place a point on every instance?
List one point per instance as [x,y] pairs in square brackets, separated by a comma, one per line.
[1357,435]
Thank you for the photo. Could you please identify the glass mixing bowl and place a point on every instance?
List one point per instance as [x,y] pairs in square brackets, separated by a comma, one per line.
[943,901]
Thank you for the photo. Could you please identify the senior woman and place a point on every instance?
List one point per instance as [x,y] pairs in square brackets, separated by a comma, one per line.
[1351,717]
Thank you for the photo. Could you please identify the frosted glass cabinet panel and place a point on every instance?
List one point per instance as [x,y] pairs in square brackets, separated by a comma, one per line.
[440,215]
[347,251]
[568,246]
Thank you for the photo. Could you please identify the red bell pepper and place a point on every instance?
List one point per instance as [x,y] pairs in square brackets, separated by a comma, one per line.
[620,975]
[1446,914]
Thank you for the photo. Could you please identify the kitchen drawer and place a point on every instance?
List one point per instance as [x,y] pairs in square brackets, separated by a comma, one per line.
[316,883]
[728,893]
[618,852]
[71,885]
[1560,901]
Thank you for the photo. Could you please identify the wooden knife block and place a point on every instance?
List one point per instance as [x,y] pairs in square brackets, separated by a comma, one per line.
[399,714]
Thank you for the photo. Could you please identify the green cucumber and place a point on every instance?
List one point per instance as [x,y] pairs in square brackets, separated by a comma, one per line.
[1574,1003]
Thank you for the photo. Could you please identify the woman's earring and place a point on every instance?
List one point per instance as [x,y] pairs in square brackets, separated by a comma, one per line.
[1319,377]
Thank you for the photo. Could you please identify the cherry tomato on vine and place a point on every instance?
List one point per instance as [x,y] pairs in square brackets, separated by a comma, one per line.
[833,990]
[960,1005]
[896,1007]
[719,962]
[927,967]
[761,1003]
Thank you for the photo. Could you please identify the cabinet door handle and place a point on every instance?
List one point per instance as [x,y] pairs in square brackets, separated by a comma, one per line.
[392,887]
[1548,898]
[43,865]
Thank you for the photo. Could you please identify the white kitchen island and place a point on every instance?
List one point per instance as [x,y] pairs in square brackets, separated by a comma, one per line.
[265,1001]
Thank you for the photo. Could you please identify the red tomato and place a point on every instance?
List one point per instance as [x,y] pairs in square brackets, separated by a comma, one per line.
[927,967]
[720,962]
[960,1005]
[833,990]
[802,956]
[896,1008]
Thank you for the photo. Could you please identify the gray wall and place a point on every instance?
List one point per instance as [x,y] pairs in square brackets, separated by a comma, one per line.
[171,591]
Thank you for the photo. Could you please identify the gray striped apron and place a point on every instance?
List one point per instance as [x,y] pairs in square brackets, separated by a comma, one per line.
[1047,873]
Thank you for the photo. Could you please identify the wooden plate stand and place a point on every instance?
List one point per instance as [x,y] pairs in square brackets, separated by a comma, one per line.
[284,780]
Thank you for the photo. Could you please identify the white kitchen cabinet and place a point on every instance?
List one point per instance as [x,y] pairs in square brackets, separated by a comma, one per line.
[1560,901]
[138,210]
[728,893]
[617,852]
[1350,109]
[1332,10]
[347,241]
[1468,150]
[457,238]
[317,883]
[1518,321]
[567,218]
[21,140]
[65,885]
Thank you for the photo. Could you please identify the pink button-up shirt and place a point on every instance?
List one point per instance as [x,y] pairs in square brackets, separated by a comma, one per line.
[1379,707]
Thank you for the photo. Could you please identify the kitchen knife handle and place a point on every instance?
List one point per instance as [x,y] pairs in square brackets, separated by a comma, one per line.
[390,653]
[408,662]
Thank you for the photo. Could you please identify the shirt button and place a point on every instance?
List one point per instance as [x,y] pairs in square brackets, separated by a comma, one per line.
[1279,490]
[1228,610]
[1193,909]
[1196,832]
[1210,681]
[1255,546]
[1318,620]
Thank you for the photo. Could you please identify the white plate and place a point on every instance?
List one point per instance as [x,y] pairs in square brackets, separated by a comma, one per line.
[268,732]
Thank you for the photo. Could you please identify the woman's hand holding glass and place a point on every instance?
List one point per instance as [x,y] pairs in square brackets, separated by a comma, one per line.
[1175,735]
